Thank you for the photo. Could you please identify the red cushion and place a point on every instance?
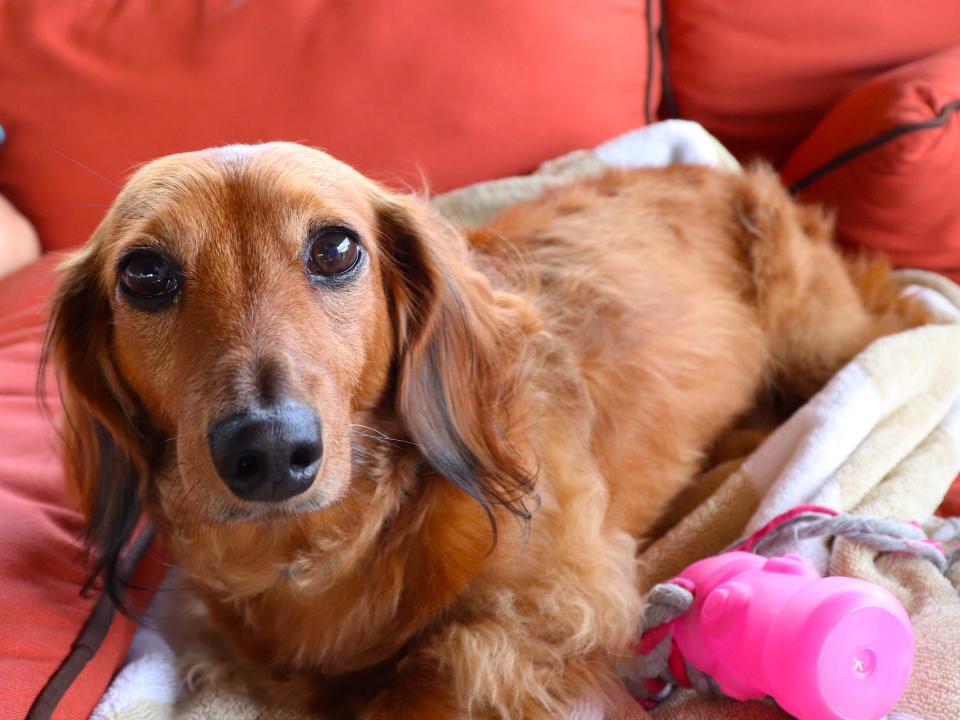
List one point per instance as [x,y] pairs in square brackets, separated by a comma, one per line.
[759,74]
[888,158]
[41,561]
[950,507]
[463,91]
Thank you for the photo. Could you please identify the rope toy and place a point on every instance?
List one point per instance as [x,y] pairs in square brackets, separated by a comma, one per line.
[856,636]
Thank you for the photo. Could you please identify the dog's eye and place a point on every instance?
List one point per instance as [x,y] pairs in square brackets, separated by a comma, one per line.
[333,251]
[148,278]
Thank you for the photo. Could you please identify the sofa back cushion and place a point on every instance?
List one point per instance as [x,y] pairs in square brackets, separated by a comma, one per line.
[759,74]
[449,92]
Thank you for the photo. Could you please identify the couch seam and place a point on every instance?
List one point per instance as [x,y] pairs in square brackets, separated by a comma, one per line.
[667,100]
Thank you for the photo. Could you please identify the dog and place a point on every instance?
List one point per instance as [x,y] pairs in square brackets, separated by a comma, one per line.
[406,468]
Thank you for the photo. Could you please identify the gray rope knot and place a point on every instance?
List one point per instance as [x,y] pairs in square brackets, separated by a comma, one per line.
[882,534]
[665,602]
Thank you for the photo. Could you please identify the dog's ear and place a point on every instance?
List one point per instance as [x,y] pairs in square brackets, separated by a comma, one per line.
[102,448]
[459,367]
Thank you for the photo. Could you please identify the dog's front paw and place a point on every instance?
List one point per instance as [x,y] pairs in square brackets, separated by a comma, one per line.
[422,698]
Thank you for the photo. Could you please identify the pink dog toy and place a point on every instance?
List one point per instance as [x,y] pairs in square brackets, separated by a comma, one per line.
[831,648]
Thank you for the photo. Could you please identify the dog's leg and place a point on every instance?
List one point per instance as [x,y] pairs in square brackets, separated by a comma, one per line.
[488,670]
[532,649]
[419,692]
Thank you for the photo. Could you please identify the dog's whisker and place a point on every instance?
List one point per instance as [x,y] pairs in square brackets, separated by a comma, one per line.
[88,169]
[371,429]
[382,437]
[365,452]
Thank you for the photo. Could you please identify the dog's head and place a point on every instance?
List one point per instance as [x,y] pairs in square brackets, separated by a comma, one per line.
[231,316]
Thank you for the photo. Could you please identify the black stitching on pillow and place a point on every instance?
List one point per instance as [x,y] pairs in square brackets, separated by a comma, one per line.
[882,139]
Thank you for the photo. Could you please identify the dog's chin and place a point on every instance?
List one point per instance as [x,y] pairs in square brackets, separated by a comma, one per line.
[268,513]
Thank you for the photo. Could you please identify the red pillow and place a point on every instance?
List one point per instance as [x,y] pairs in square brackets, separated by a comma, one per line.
[888,158]
[950,507]
[462,91]
[759,74]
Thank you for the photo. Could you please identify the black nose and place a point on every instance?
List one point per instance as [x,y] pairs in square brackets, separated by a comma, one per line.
[268,453]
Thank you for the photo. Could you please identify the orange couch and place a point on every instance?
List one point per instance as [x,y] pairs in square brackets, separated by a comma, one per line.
[432,90]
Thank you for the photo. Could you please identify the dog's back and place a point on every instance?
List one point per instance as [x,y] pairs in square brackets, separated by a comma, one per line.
[681,293]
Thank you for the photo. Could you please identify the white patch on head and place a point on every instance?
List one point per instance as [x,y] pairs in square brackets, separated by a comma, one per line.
[238,151]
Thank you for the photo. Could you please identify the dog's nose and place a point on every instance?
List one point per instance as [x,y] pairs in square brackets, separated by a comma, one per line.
[267,454]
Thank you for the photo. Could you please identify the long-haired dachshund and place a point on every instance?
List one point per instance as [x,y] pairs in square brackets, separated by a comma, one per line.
[406,468]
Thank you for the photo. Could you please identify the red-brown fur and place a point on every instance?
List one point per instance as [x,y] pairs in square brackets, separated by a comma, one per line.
[587,349]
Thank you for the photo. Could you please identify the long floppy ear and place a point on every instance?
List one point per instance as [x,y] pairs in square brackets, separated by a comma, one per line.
[102,448]
[460,358]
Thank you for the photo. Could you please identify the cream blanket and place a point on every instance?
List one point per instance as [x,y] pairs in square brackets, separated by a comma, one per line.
[883,438]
